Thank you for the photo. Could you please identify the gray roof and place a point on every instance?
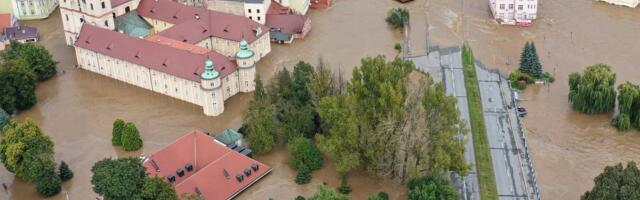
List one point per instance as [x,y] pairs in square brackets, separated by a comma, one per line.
[21,32]
[279,36]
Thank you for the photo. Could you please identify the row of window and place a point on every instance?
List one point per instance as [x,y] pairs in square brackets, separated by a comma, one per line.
[520,7]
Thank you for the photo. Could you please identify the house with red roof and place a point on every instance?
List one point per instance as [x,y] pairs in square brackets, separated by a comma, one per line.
[196,55]
[198,164]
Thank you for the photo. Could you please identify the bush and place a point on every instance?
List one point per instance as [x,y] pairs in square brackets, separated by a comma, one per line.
[616,182]
[131,137]
[37,58]
[397,17]
[116,132]
[520,80]
[398,47]
[49,184]
[380,196]
[118,178]
[304,175]
[304,153]
[65,172]
[326,193]
[300,198]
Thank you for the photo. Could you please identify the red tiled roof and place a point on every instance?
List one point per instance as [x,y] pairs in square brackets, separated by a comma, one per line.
[5,21]
[115,3]
[178,45]
[278,9]
[180,63]
[210,159]
[193,24]
[292,24]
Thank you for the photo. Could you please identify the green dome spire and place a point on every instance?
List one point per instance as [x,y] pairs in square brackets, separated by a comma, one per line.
[210,72]
[244,51]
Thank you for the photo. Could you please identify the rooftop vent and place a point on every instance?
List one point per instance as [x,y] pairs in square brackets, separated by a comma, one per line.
[197,16]
[239,177]
[247,172]
[255,167]
[189,167]
[180,172]
[226,174]
[155,165]
[175,17]
[171,178]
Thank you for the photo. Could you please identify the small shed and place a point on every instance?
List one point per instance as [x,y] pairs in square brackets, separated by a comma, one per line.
[229,137]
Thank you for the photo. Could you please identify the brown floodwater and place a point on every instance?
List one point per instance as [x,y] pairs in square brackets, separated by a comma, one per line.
[76,107]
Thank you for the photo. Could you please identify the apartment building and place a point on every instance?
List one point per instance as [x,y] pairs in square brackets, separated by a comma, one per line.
[514,12]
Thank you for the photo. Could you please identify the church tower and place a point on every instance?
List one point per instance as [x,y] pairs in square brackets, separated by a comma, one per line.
[213,103]
[246,62]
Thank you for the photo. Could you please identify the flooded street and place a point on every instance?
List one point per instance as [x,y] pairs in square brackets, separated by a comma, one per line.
[76,107]
[569,149]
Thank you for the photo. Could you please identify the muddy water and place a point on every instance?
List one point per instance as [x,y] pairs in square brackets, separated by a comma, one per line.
[76,107]
[569,149]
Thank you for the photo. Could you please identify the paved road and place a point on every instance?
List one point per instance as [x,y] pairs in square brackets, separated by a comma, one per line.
[512,165]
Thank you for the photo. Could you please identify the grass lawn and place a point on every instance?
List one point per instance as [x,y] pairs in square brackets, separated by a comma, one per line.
[488,189]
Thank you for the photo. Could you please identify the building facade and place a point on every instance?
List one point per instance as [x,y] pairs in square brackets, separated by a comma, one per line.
[628,3]
[297,6]
[514,12]
[198,56]
[33,9]
[255,10]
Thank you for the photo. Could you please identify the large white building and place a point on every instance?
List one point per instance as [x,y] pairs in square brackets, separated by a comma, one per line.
[29,9]
[193,54]
[515,12]
[628,3]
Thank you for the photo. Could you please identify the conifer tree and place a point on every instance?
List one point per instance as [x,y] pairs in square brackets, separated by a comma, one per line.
[65,172]
[131,140]
[116,133]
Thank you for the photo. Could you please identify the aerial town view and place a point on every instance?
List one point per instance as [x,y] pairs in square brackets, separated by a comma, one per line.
[319,99]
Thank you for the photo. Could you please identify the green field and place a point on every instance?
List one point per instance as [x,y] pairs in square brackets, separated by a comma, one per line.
[484,165]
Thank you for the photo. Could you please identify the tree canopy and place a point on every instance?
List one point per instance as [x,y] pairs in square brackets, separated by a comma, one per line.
[131,140]
[398,17]
[4,118]
[17,86]
[593,92]
[116,133]
[120,178]
[327,193]
[431,188]
[36,57]
[628,107]
[65,172]
[260,123]
[157,188]
[616,183]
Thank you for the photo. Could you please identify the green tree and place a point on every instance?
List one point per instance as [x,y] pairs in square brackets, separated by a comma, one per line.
[131,140]
[326,193]
[156,188]
[321,84]
[593,92]
[65,172]
[341,138]
[4,118]
[529,61]
[398,17]
[304,154]
[259,120]
[116,132]
[431,188]
[445,151]
[380,196]
[303,176]
[300,198]
[49,183]
[628,104]
[118,178]
[616,183]
[17,86]
[36,57]
[25,150]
